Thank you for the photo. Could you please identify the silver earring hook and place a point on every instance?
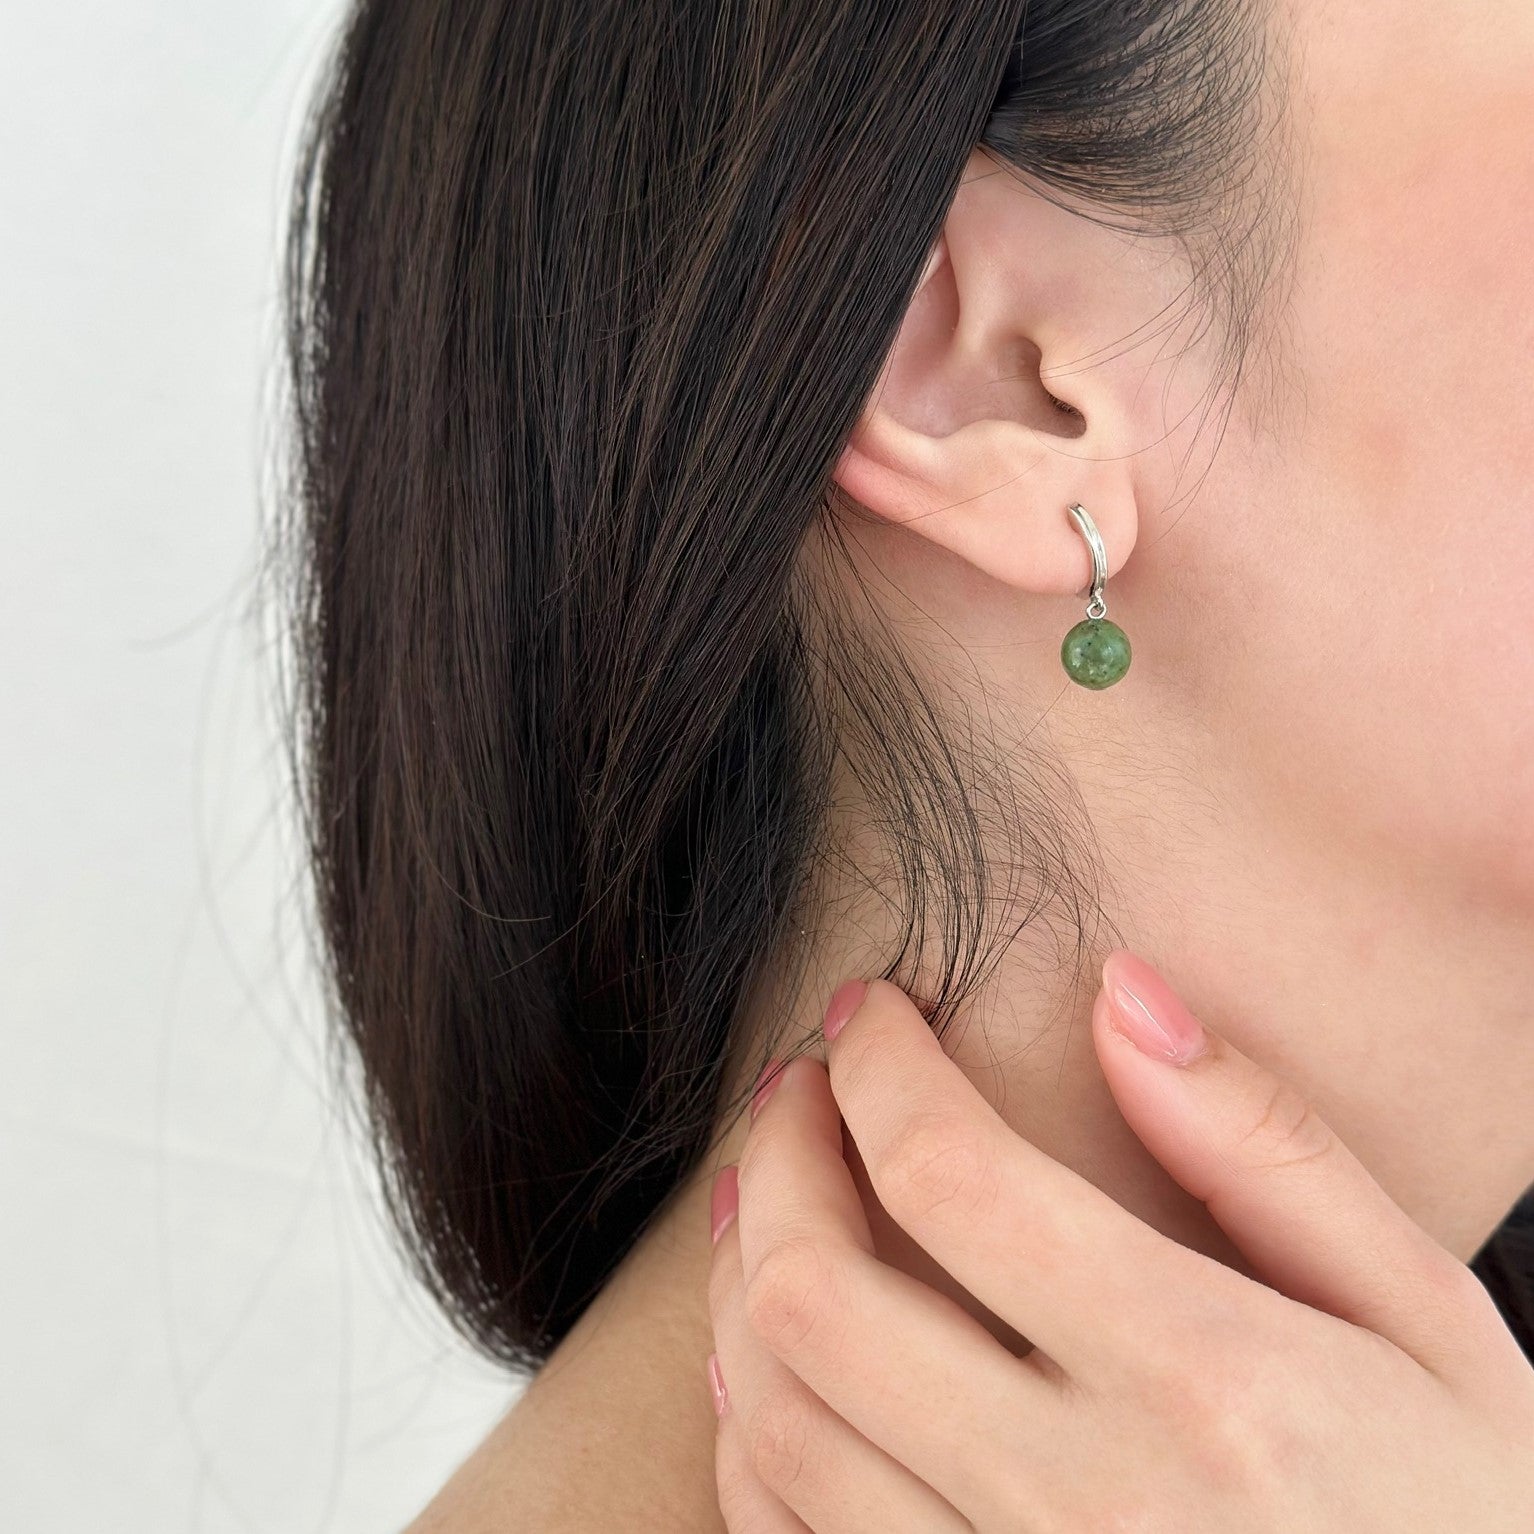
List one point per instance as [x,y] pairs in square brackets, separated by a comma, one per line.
[1097,607]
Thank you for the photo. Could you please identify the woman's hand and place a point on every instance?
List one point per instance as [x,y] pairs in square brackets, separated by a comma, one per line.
[1373,1386]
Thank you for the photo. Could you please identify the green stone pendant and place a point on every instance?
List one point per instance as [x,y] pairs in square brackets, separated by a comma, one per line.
[1095,653]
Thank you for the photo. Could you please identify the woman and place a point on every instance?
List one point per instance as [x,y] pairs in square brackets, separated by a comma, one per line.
[692,398]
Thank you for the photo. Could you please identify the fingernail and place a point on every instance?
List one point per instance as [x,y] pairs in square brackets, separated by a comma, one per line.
[1148,1012]
[716,1384]
[847,999]
[724,1200]
[766,1085]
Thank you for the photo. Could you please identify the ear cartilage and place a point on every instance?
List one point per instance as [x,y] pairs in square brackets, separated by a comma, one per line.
[1096,652]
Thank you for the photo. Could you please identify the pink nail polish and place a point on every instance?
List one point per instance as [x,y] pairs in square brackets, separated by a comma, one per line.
[1148,1012]
[766,1085]
[846,1000]
[716,1384]
[723,1200]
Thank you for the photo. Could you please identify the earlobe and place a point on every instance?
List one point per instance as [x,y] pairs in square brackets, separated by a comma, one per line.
[935,259]
[995,492]
[995,495]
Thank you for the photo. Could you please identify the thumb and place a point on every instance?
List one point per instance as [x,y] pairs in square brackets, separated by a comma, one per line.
[1303,1210]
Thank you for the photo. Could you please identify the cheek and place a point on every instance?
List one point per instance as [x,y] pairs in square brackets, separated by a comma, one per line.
[1388,560]
[1415,316]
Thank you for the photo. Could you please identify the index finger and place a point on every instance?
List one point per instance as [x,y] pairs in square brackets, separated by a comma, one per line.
[1313,1221]
[1049,1252]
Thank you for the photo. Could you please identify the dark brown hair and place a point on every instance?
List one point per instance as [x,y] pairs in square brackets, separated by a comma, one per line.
[584,297]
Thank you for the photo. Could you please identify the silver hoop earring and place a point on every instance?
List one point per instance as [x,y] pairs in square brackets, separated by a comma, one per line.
[1096,652]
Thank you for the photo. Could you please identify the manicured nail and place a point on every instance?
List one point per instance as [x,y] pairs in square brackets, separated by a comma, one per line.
[716,1384]
[724,1200]
[848,998]
[1148,1012]
[766,1085]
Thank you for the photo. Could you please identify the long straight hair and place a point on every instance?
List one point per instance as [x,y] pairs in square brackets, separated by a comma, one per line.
[584,297]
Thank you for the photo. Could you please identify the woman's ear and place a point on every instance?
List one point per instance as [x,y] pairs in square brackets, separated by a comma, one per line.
[991,416]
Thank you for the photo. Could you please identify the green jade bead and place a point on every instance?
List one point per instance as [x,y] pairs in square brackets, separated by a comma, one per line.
[1095,653]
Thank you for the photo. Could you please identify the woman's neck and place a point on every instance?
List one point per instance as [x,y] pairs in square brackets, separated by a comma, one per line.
[617,1429]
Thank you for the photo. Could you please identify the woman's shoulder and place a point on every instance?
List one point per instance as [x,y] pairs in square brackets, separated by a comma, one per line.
[600,1440]
[505,1488]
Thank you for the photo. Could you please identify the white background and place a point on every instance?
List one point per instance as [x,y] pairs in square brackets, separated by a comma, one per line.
[203,1326]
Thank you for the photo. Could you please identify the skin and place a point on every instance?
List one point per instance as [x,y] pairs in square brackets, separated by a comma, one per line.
[1167,1392]
[1313,795]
